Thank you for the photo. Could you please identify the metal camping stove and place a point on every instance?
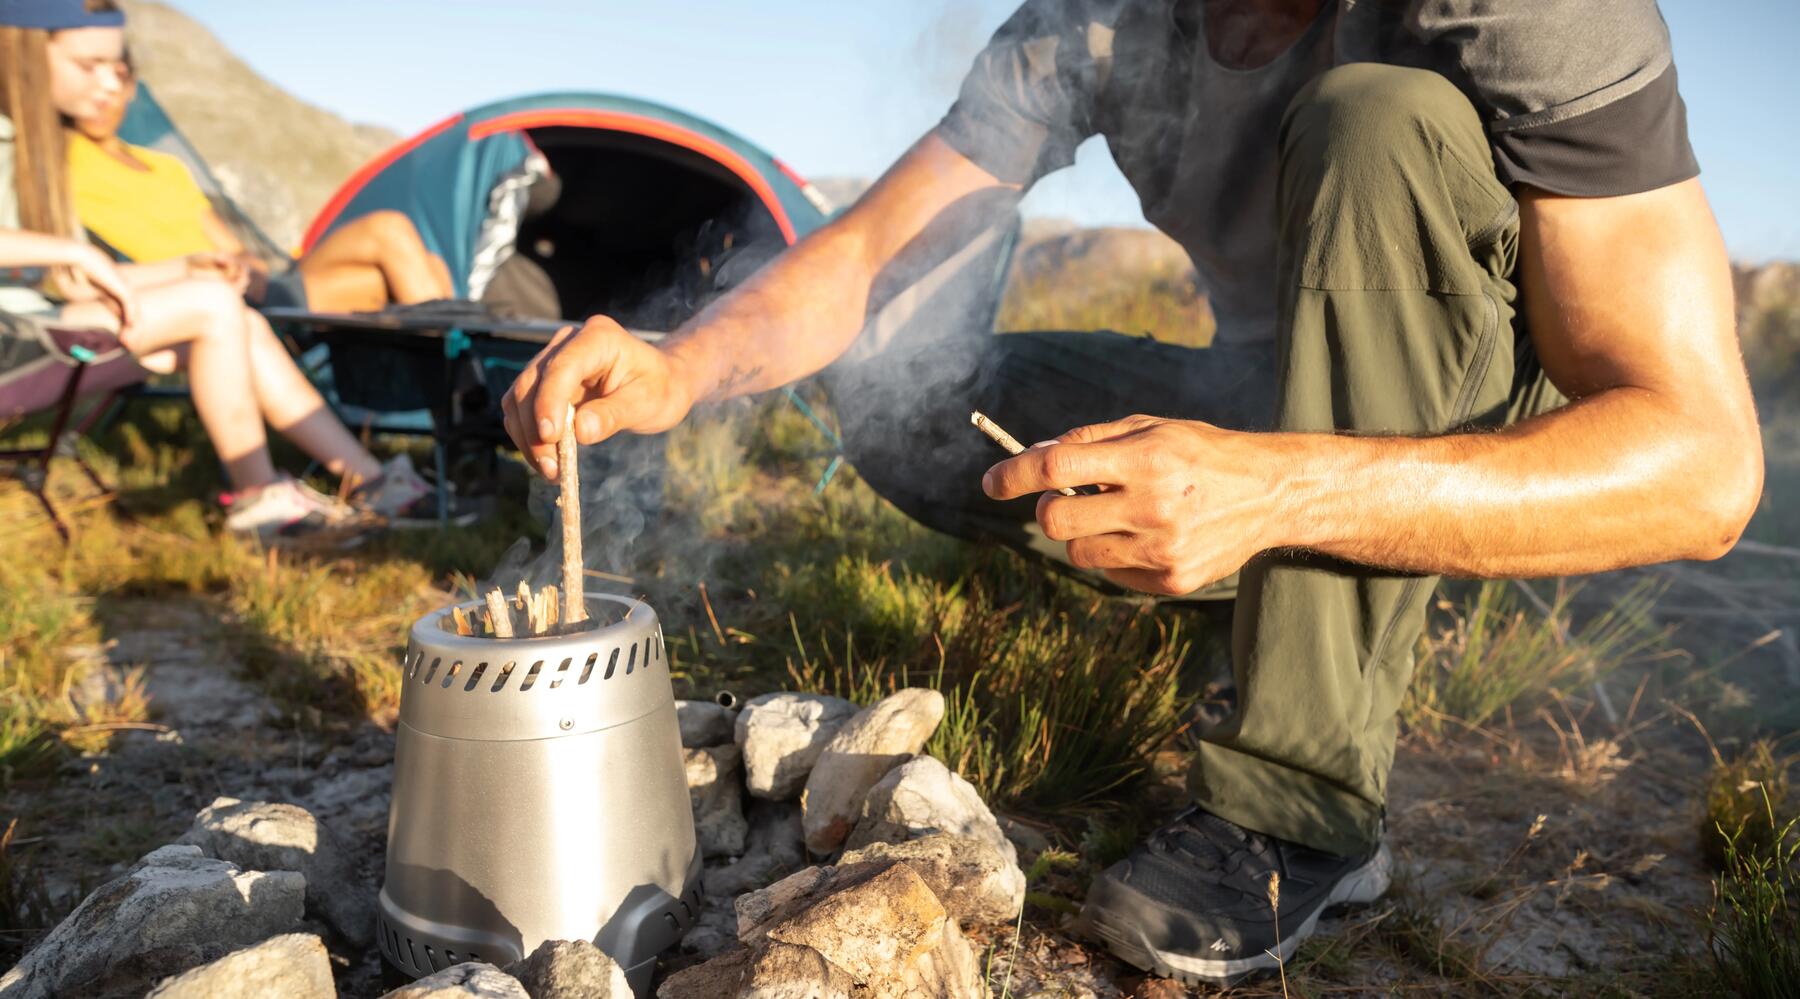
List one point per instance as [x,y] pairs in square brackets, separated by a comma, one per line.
[539,795]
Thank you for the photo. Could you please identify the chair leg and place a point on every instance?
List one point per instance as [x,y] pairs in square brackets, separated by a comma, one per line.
[441,460]
[56,521]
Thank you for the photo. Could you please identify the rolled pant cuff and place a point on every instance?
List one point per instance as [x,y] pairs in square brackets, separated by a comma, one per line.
[1288,804]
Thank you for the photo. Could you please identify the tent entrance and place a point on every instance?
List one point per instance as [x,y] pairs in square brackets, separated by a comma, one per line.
[633,227]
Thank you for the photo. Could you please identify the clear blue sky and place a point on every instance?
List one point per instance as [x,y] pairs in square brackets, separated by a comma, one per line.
[839,87]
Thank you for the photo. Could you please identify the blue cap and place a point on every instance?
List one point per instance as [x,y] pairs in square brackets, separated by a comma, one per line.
[56,15]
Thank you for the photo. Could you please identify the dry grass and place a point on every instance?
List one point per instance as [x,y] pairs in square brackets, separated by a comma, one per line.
[1500,648]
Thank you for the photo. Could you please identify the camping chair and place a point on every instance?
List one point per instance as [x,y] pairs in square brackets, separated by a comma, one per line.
[50,368]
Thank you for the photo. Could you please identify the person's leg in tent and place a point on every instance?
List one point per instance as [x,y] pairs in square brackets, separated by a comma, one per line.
[370,262]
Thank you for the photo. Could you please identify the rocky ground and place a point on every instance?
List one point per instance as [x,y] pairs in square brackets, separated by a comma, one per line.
[1536,862]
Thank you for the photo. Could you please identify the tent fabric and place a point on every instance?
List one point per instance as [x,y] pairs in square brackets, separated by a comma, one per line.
[441,178]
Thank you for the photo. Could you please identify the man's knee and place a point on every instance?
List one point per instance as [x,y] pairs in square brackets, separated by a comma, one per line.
[1372,108]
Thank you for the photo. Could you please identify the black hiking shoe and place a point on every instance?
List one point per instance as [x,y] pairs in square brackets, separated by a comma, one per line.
[1192,903]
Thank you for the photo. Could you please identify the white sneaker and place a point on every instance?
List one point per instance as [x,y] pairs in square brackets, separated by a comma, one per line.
[402,497]
[288,513]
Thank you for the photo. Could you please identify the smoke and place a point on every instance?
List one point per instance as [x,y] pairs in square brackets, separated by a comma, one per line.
[906,386]
[629,527]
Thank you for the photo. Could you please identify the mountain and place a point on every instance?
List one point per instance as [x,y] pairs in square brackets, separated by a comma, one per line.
[277,156]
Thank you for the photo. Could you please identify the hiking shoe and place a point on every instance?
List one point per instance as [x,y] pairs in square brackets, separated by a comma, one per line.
[1192,903]
[404,499]
[287,513]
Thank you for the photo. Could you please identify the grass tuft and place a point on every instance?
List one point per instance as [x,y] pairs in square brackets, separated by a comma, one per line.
[1753,928]
[1489,654]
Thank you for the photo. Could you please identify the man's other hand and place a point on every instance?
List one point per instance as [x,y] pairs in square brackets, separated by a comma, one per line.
[1182,503]
[616,382]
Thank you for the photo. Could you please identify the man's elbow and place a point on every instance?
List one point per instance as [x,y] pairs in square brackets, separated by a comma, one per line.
[1729,489]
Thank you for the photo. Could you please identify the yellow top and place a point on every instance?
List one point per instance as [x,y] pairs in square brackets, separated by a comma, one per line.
[149,214]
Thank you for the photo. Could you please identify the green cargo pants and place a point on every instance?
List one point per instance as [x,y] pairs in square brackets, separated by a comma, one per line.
[1397,245]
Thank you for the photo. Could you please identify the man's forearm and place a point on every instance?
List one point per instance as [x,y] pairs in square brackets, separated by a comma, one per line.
[790,320]
[807,307]
[1615,480]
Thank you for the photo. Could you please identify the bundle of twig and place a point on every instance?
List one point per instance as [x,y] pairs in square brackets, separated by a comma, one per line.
[548,610]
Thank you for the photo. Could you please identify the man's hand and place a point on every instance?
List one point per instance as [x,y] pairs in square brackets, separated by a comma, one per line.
[616,382]
[1183,503]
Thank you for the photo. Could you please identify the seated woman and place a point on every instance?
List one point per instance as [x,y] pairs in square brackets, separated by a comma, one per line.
[60,58]
[146,205]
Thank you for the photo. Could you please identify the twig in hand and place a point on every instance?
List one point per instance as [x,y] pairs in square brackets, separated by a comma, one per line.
[1007,441]
[568,463]
[499,615]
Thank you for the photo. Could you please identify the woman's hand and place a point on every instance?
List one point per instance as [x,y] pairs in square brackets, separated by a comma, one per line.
[615,381]
[226,267]
[1183,503]
[91,275]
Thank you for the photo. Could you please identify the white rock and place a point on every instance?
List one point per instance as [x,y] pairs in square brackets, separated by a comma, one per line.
[469,980]
[921,797]
[877,740]
[175,910]
[782,736]
[704,723]
[290,966]
[716,795]
[976,882]
[570,969]
[270,836]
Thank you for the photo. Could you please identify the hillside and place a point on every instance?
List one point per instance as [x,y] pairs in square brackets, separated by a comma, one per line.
[278,157]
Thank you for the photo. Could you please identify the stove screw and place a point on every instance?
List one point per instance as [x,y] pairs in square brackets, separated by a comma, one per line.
[566,724]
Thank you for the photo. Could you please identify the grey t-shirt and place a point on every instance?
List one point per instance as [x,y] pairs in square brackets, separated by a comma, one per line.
[1578,96]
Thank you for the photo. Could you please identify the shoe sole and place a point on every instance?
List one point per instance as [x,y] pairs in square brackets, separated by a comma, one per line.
[1363,885]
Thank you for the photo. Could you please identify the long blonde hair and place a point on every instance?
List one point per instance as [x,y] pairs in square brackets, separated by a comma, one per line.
[40,157]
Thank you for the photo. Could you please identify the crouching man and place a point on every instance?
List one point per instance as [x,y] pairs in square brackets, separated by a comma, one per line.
[1474,319]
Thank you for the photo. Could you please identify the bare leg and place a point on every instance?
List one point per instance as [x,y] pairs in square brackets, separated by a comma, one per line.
[377,259]
[295,409]
[204,319]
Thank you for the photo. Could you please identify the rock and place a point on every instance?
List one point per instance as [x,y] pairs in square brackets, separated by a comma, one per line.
[1025,837]
[871,928]
[704,723]
[975,882]
[717,798]
[782,736]
[469,980]
[772,850]
[570,969]
[875,741]
[175,910]
[949,970]
[754,909]
[290,966]
[714,931]
[785,971]
[719,978]
[921,797]
[270,836]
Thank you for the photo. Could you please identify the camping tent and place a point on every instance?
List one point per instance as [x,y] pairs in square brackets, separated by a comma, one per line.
[567,205]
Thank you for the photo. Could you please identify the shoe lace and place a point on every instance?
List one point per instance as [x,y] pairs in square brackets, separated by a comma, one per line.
[1209,842]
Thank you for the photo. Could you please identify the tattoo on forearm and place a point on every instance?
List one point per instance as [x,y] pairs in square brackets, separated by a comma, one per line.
[736,378]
